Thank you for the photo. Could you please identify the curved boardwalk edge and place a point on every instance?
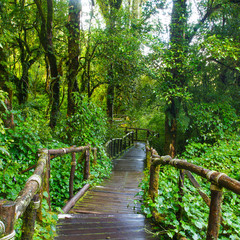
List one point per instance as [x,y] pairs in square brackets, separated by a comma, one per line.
[108,211]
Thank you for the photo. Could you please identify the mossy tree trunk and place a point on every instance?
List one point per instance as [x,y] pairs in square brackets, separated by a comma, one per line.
[46,39]
[5,79]
[73,52]
[109,11]
[177,76]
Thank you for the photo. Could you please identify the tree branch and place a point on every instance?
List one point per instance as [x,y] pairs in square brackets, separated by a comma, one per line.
[209,12]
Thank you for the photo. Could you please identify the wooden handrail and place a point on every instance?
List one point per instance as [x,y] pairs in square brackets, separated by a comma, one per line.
[136,131]
[143,129]
[33,185]
[217,178]
[62,151]
[28,201]
[116,146]
[218,181]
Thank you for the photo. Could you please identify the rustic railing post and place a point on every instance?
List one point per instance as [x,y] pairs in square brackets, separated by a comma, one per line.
[87,165]
[7,217]
[121,145]
[114,147]
[179,213]
[154,181]
[118,146]
[29,218]
[215,212]
[71,179]
[132,137]
[43,154]
[136,137]
[48,174]
[116,152]
[148,155]
[111,151]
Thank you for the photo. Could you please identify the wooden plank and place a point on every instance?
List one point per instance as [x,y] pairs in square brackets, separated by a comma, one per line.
[109,211]
[82,217]
[119,226]
[96,226]
[110,228]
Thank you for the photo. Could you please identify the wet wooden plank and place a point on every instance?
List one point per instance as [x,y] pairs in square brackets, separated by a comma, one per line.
[72,217]
[109,211]
[119,226]
[113,236]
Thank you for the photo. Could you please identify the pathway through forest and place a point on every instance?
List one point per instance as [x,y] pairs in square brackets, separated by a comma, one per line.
[108,211]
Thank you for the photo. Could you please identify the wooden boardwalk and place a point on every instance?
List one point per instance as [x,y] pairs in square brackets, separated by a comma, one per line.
[108,211]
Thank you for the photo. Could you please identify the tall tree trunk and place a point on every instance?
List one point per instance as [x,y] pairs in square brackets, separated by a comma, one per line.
[55,90]
[171,129]
[26,62]
[24,80]
[23,84]
[109,10]
[135,9]
[55,77]
[73,52]
[46,37]
[114,7]
[177,78]
[4,79]
[110,94]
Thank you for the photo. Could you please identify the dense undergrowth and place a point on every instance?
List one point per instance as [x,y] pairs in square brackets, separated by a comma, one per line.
[18,152]
[223,155]
[214,143]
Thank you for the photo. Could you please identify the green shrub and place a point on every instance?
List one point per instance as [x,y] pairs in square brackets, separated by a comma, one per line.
[212,121]
[222,156]
[19,148]
[87,126]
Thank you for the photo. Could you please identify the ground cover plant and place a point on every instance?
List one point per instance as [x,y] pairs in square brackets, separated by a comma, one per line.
[222,156]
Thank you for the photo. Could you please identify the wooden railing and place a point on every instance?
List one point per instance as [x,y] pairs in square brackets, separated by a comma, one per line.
[28,203]
[117,145]
[141,134]
[218,180]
